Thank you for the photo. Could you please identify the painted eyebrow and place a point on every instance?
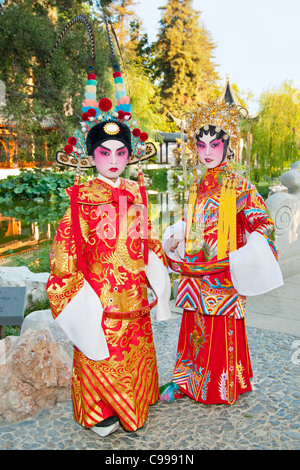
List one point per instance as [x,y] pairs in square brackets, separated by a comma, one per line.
[102,146]
[124,146]
[209,142]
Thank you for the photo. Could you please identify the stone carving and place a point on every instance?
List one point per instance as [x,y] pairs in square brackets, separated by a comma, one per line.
[285,210]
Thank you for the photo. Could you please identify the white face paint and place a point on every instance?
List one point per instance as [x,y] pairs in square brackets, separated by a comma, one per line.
[111,158]
[210,150]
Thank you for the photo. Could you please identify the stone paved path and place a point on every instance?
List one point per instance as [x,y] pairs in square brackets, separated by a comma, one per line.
[265,419]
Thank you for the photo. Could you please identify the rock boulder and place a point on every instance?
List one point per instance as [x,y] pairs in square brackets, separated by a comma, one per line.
[35,368]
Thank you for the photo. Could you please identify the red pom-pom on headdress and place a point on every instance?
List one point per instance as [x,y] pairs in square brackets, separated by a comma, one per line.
[68,149]
[105,104]
[85,116]
[136,132]
[91,76]
[72,141]
[117,74]
[128,115]
[121,114]
[91,112]
[143,136]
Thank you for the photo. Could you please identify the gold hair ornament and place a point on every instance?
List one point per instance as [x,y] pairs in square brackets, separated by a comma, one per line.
[215,113]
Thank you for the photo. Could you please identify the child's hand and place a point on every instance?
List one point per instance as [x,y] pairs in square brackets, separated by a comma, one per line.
[174,246]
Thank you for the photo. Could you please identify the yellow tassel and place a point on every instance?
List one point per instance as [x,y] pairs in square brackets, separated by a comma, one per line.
[232,216]
[222,232]
[227,218]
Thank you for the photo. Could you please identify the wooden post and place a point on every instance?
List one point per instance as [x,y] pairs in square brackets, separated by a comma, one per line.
[2,332]
[167,156]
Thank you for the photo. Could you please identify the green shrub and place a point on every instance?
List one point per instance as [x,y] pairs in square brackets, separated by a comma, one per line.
[36,185]
[38,262]
[263,189]
[159,180]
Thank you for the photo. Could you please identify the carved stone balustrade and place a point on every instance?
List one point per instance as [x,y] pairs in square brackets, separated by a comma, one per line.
[285,211]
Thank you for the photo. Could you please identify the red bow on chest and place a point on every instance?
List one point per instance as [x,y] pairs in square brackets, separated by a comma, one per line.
[122,192]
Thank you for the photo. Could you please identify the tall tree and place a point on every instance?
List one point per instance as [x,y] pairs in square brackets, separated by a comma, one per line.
[185,66]
[276,132]
[123,17]
[28,32]
[134,47]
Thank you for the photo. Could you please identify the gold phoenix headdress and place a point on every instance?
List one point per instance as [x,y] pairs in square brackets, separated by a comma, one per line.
[215,113]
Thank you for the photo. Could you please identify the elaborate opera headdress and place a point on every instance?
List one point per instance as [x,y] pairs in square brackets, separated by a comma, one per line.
[214,113]
[100,122]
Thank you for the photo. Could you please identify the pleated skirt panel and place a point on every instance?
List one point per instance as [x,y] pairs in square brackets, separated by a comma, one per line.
[213,363]
[124,385]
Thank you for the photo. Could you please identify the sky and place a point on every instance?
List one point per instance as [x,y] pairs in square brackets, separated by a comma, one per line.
[257,41]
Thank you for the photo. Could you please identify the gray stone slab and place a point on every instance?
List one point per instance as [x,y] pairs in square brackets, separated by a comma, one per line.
[12,305]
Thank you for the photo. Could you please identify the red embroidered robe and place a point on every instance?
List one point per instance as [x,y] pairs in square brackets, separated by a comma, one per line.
[126,383]
[213,363]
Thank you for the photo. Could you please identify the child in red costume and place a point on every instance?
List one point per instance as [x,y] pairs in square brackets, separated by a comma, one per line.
[104,257]
[219,267]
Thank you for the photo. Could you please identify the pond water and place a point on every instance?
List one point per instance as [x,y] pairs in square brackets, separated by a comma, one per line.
[24,225]
[27,225]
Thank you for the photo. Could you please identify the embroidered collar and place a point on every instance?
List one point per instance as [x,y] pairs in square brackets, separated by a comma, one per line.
[218,169]
[98,191]
[212,179]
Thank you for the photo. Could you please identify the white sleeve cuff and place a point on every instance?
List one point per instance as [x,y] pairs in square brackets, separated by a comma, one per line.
[175,233]
[81,321]
[253,268]
[159,280]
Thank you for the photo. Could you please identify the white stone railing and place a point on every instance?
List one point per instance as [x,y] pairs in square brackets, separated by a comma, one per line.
[285,211]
